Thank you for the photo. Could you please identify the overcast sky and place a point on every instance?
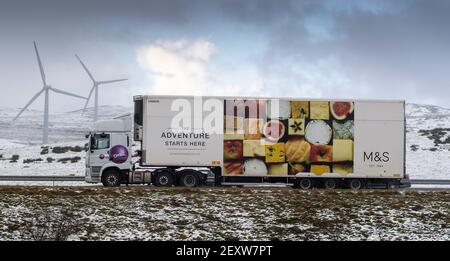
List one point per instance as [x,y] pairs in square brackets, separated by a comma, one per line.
[396,49]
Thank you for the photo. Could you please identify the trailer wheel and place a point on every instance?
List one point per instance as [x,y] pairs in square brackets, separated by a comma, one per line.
[305,183]
[330,184]
[189,179]
[164,179]
[355,184]
[111,178]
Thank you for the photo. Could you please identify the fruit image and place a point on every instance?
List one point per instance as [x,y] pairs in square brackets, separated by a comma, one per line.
[233,167]
[255,167]
[273,130]
[340,110]
[318,132]
[232,149]
[321,153]
[297,150]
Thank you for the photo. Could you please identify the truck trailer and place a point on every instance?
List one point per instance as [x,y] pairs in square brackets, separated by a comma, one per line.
[305,143]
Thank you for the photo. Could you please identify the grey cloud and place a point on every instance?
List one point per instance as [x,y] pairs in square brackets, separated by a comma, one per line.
[399,53]
[374,48]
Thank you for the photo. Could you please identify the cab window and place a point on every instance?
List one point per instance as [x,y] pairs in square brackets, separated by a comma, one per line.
[100,141]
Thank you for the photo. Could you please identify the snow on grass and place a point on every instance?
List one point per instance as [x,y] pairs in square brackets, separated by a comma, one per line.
[60,162]
[424,158]
[145,213]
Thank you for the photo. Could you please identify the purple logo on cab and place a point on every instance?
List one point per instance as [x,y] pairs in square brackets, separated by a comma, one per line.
[118,154]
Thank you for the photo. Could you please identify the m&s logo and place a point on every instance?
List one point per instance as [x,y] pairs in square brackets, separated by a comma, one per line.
[376,156]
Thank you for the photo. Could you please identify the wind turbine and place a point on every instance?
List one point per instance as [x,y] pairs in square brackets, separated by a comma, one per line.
[95,88]
[45,89]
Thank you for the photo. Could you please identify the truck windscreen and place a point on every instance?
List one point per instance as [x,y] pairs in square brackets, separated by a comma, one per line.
[99,141]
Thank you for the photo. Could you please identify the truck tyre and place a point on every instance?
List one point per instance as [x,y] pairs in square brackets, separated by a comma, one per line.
[355,184]
[111,178]
[189,179]
[305,183]
[330,184]
[164,179]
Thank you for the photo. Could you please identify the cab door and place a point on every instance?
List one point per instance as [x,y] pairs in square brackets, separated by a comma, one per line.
[99,147]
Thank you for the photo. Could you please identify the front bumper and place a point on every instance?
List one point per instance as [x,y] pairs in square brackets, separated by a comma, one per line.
[88,176]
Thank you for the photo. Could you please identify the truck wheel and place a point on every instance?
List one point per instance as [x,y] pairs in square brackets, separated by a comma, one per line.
[305,183]
[355,184]
[330,184]
[164,179]
[111,178]
[189,179]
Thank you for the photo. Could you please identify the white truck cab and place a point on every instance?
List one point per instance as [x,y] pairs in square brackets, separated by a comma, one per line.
[109,151]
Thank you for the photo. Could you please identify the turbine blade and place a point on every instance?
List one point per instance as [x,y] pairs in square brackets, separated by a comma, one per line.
[41,68]
[85,68]
[67,93]
[28,104]
[88,98]
[111,81]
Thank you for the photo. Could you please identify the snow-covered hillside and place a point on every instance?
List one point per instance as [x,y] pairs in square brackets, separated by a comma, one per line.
[428,141]
[63,127]
[21,152]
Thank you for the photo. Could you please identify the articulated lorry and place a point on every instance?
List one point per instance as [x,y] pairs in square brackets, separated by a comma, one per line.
[241,140]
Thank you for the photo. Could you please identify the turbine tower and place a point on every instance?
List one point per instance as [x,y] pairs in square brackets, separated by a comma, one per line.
[45,89]
[95,88]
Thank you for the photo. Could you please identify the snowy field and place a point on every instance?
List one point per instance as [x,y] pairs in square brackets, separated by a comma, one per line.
[146,213]
[428,141]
